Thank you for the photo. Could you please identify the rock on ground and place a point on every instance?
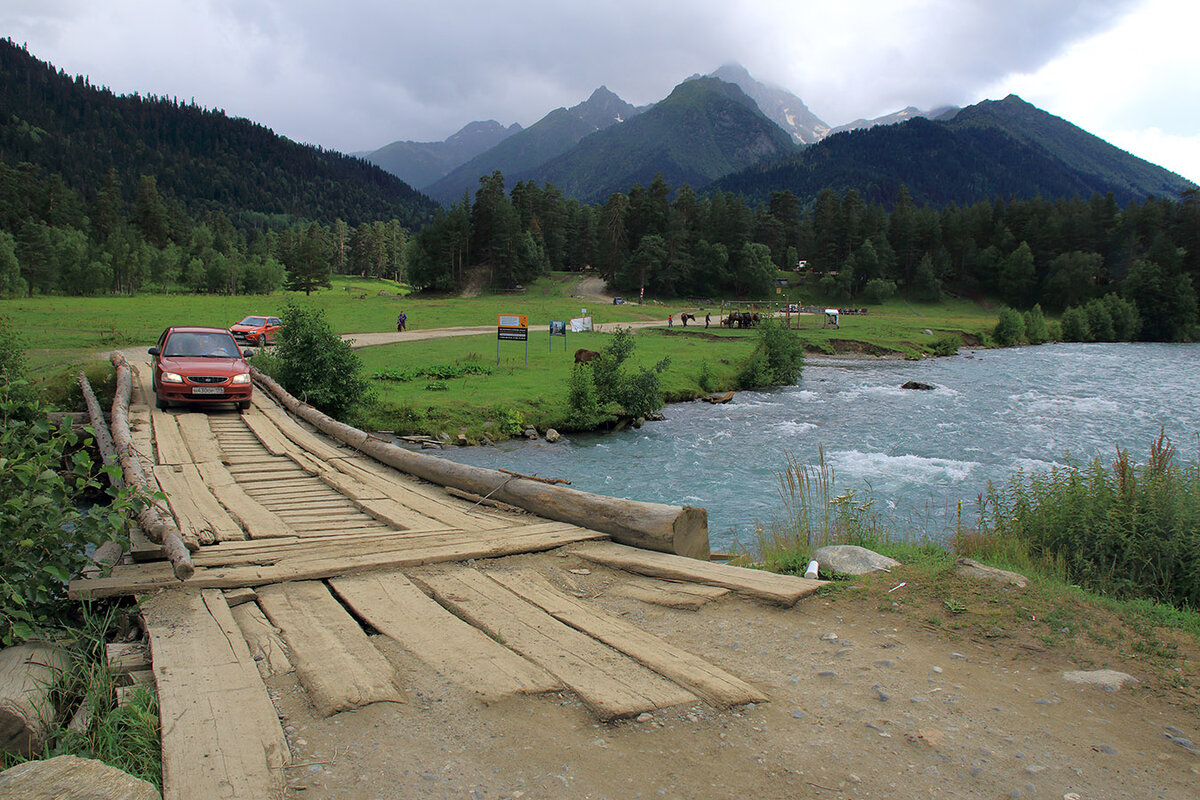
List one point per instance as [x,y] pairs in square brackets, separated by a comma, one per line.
[851,559]
[1108,679]
[973,569]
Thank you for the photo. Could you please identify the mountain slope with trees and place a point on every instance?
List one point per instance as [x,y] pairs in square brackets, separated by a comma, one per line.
[421,163]
[993,149]
[199,157]
[551,136]
[704,129]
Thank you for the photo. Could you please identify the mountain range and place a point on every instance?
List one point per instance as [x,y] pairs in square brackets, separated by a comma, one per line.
[722,131]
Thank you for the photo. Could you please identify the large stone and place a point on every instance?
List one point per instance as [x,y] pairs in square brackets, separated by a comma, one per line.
[851,559]
[924,387]
[552,435]
[1107,679]
[973,569]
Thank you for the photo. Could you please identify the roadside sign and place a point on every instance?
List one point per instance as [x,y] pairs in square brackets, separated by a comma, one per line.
[512,328]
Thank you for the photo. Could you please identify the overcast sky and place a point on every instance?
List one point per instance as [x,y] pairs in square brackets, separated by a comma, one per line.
[359,74]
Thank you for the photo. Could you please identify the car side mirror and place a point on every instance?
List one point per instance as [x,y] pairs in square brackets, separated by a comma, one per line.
[154,351]
[247,353]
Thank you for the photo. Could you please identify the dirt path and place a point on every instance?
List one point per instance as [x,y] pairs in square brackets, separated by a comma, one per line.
[868,699]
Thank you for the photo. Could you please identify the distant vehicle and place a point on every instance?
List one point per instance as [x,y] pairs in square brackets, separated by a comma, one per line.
[200,365]
[257,330]
[618,301]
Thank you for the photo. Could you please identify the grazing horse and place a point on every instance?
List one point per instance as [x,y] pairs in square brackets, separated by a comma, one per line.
[585,356]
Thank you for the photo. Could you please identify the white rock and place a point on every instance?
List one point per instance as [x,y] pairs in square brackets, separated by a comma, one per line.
[1107,679]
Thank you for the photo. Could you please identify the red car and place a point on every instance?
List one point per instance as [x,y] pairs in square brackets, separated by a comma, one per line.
[200,365]
[258,330]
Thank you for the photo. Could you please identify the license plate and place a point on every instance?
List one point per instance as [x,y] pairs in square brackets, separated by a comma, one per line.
[208,390]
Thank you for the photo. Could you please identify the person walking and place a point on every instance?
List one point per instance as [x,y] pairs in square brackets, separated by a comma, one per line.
[707,319]
[400,322]
[670,321]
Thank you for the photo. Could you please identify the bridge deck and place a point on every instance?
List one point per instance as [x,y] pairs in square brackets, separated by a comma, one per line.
[341,553]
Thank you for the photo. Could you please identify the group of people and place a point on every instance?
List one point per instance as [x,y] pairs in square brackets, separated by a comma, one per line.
[401,322]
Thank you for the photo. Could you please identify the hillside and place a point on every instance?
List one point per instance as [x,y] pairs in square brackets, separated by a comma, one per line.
[704,129]
[422,163]
[201,158]
[993,149]
[779,105]
[551,136]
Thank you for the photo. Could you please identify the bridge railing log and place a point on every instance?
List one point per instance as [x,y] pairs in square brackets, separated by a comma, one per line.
[156,522]
[682,530]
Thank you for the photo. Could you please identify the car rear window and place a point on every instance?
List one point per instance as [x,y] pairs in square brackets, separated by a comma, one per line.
[219,345]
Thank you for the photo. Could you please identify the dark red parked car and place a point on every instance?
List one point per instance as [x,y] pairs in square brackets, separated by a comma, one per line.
[200,365]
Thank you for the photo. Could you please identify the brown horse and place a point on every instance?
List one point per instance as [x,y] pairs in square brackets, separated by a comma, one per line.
[585,356]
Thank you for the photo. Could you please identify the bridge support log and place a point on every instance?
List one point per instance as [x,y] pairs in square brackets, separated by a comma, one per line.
[682,530]
[157,524]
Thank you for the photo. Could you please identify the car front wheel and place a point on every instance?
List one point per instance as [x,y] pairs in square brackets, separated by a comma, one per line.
[160,402]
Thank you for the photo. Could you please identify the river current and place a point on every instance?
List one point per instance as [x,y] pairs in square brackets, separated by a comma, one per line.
[917,453]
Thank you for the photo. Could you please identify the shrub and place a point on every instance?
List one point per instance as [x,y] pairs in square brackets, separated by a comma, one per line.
[778,357]
[1100,321]
[1035,325]
[584,412]
[947,345]
[314,364]
[637,394]
[878,291]
[44,476]
[1010,328]
[1128,530]
[705,379]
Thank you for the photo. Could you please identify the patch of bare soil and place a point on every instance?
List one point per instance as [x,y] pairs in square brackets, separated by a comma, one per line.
[893,687]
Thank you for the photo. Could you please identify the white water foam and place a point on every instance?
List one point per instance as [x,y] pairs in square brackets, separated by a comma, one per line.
[868,465]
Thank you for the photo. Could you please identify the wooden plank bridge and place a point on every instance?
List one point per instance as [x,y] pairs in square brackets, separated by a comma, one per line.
[304,550]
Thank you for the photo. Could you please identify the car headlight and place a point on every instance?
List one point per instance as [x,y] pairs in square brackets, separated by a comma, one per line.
[242,377]
[172,377]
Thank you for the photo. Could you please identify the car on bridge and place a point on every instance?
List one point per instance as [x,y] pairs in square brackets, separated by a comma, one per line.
[257,330]
[197,365]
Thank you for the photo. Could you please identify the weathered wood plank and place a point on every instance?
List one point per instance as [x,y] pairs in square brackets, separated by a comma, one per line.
[670,594]
[609,683]
[769,587]
[28,674]
[254,518]
[198,437]
[167,439]
[266,432]
[220,733]
[72,778]
[194,506]
[460,652]
[713,684]
[333,657]
[263,639]
[328,563]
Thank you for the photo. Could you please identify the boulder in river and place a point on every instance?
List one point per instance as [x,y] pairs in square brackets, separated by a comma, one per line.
[851,559]
[924,387]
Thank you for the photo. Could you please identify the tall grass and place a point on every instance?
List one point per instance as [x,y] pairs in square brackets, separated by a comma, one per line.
[1128,530]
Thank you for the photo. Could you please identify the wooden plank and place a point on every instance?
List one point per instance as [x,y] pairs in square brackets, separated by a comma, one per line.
[263,639]
[670,594]
[769,587]
[140,546]
[254,518]
[456,650]
[713,684]
[243,594]
[400,495]
[194,506]
[199,438]
[431,550]
[266,432]
[611,684]
[220,733]
[167,440]
[72,778]
[333,657]
[304,439]
[125,657]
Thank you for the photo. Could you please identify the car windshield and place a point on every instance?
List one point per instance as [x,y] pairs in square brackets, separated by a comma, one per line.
[202,345]
[255,321]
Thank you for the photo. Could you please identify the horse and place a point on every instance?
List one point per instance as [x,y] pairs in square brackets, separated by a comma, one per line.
[685,317]
[585,356]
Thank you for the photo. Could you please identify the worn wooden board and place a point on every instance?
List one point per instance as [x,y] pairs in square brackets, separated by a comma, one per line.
[670,594]
[460,652]
[220,733]
[263,639]
[194,506]
[333,657]
[328,562]
[306,440]
[198,437]
[713,684]
[167,440]
[610,683]
[72,778]
[254,518]
[266,432]
[768,587]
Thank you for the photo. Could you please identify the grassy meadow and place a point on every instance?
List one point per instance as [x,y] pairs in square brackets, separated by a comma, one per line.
[65,334]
